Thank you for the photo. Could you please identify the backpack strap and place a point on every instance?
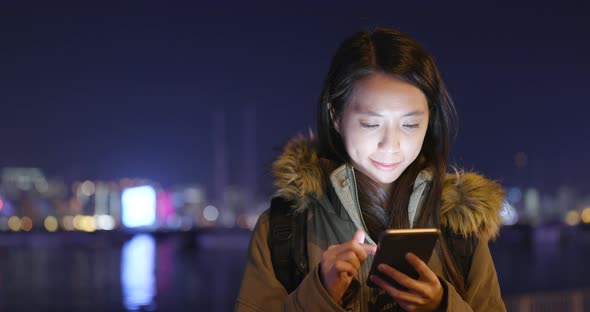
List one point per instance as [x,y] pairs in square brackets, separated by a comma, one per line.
[288,243]
[462,249]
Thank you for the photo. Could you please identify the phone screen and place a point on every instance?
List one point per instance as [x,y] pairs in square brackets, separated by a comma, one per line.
[393,247]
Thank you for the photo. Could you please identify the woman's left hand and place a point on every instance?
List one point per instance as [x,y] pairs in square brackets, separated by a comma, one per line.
[423,294]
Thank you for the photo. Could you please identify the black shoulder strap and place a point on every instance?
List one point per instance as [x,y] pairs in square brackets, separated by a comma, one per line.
[462,249]
[288,243]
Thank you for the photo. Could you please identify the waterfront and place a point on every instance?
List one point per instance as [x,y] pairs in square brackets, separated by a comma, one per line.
[201,271]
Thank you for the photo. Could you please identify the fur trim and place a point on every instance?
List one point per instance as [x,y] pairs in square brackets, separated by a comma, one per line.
[297,172]
[470,203]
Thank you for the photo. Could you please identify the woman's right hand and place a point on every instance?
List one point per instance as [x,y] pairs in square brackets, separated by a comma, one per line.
[340,263]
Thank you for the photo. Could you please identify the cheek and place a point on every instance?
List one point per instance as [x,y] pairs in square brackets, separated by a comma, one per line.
[353,144]
[349,136]
[357,145]
[411,147]
[416,147]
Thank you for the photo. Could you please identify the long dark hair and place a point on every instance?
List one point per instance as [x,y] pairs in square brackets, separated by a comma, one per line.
[390,52]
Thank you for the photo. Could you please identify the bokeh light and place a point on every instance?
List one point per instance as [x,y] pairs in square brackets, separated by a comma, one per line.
[50,223]
[87,188]
[67,223]
[26,224]
[14,223]
[572,217]
[87,224]
[104,222]
[210,213]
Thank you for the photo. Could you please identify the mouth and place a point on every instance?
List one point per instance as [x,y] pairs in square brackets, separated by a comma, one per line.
[385,167]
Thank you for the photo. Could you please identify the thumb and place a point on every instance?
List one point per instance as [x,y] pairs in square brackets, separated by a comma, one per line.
[359,236]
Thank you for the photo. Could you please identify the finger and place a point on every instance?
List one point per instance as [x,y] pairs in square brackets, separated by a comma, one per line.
[406,306]
[397,294]
[409,298]
[343,266]
[357,249]
[369,249]
[403,279]
[359,236]
[333,251]
[350,257]
[423,270]
[329,256]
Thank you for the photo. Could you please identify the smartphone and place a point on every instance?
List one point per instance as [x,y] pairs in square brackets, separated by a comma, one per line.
[393,247]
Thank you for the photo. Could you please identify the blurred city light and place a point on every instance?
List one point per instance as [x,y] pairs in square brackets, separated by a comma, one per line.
[77,222]
[508,214]
[26,224]
[139,206]
[532,205]
[87,205]
[514,195]
[210,213]
[14,223]
[101,197]
[41,186]
[572,217]
[138,279]
[165,206]
[87,224]
[50,224]
[193,195]
[87,188]
[104,222]
[67,223]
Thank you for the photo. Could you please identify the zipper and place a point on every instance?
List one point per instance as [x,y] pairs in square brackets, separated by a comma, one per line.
[364,293]
[358,205]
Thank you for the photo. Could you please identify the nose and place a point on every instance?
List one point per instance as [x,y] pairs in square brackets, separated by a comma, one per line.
[390,141]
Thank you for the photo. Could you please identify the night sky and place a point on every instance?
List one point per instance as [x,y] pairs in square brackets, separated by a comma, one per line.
[129,88]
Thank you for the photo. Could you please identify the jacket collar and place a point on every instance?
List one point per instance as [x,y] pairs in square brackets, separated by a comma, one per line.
[344,183]
[470,203]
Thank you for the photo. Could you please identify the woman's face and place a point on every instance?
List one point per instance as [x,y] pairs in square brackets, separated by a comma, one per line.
[383,127]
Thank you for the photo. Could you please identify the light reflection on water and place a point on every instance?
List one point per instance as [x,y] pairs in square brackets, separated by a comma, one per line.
[138,279]
[110,271]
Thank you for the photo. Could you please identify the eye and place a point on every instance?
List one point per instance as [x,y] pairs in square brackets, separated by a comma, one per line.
[368,126]
[412,126]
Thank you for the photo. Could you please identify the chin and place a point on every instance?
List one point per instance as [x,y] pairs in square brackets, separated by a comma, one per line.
[385,180]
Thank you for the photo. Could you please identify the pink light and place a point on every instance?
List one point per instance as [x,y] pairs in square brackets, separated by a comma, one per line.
[165,208]
[1,204]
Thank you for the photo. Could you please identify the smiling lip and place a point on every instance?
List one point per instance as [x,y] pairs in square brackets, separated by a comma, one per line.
[387,167]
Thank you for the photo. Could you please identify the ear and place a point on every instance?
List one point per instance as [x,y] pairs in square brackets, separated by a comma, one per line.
[335,123]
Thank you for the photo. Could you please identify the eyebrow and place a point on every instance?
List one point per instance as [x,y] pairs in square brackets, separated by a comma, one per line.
[375,114]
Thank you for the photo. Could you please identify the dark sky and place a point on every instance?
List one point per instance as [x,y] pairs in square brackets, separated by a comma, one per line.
[129,88]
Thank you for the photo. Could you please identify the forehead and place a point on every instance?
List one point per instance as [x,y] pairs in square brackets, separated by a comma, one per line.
[385,93]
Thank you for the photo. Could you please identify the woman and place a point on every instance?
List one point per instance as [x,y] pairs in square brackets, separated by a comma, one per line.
[385,122]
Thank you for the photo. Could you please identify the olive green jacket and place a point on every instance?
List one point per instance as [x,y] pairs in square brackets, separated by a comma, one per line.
[470,206]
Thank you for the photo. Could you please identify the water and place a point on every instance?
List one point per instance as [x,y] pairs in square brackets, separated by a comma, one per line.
[113,271]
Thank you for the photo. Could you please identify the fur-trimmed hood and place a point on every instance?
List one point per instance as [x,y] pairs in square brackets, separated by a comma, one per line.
[470,203]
